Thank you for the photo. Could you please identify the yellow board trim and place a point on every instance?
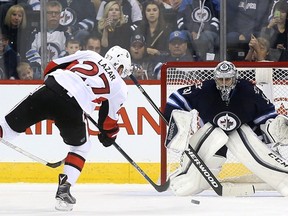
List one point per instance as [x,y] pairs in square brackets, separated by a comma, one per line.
[118,173]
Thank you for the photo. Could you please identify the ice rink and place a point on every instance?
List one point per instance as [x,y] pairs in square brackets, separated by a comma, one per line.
[130,199]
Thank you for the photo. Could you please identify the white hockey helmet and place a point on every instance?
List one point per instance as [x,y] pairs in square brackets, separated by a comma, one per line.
[225,76]
[119,57]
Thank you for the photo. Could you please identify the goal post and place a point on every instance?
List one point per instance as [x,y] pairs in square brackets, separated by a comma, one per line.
[271,77]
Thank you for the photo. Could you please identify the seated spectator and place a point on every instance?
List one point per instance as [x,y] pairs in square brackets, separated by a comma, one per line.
[277,29]
[259,50]
[154,28]
[142,64]
[78,17]
[131,12]
[113,27]
[24,71]
[201,20]
[14,27]
[71,46]
[8,59]
[178,47]
[93,42]
[56,36]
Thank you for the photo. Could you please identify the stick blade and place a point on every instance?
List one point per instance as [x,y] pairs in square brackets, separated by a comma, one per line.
[163,187]
[56,164]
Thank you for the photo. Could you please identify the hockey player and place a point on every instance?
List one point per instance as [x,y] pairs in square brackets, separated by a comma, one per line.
[74,85]
[233,113]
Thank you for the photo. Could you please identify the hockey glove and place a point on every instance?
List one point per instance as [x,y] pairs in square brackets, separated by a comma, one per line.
[108,137]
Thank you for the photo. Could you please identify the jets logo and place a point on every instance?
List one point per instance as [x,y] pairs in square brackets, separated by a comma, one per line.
[227,121]
[68,17]
[201,14]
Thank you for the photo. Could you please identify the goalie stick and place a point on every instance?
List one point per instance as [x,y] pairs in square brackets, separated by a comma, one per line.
[221,190]
[159,188]
[46,163]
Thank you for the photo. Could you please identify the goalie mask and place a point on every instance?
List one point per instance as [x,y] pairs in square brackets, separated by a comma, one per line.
[225,76]
[120,57]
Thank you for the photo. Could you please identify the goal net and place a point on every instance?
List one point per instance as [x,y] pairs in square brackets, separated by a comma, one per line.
[271,77]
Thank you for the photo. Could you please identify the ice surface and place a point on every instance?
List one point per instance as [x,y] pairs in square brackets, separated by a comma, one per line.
[133,199]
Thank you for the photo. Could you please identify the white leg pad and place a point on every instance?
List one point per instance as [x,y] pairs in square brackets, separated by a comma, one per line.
[259,158]
[193,182]
[183,182]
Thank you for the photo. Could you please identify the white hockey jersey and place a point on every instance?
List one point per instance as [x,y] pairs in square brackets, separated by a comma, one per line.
[91,79]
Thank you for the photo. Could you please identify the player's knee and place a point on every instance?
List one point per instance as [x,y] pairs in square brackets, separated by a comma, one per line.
[75,137]
[82,149]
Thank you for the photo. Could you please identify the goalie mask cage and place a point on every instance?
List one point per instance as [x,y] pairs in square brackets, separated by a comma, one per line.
[175,75]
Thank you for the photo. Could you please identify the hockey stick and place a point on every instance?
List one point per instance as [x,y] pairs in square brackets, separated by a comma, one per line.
[147,97]
[159,188]
[46,163]
[243,190]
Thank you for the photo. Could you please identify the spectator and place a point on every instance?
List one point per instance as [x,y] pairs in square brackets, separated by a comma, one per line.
[14,27]
[93,42]
[113,27]
[277,29]
[131,11]
[142,63]
[201,20]
[25,71]
[8,59]
[178,47]
[175,9]
[243,19]
[155,29]
[78,17]
[71,46]
[259,49]
[56,36]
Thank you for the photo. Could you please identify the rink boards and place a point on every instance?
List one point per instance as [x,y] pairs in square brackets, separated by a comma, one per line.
[139,137]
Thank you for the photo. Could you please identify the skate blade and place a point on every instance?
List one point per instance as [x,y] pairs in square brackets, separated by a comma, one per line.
[63,206]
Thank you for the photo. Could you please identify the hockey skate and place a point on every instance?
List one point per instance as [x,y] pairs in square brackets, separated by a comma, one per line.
[64,200]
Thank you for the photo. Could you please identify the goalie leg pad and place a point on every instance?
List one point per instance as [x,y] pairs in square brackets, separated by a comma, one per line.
[193,182]
[260,159]
[187,180]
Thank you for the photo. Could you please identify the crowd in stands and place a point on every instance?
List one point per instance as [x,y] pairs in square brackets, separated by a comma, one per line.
[153,31]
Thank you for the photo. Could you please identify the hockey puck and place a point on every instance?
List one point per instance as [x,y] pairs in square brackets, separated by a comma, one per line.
[195,201]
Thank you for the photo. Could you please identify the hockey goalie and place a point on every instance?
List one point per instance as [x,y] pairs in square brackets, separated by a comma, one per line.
[234,114]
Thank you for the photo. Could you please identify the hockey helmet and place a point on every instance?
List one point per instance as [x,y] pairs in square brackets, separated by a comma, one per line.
[119,57]
[225,76]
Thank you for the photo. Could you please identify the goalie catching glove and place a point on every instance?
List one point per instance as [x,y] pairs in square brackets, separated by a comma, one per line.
[108,137]
[276,133]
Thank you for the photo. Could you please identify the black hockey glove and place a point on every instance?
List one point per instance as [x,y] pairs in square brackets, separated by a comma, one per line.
[108,137]
[105,140]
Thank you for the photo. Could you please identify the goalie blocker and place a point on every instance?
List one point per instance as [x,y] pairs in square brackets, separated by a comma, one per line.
[243,143]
